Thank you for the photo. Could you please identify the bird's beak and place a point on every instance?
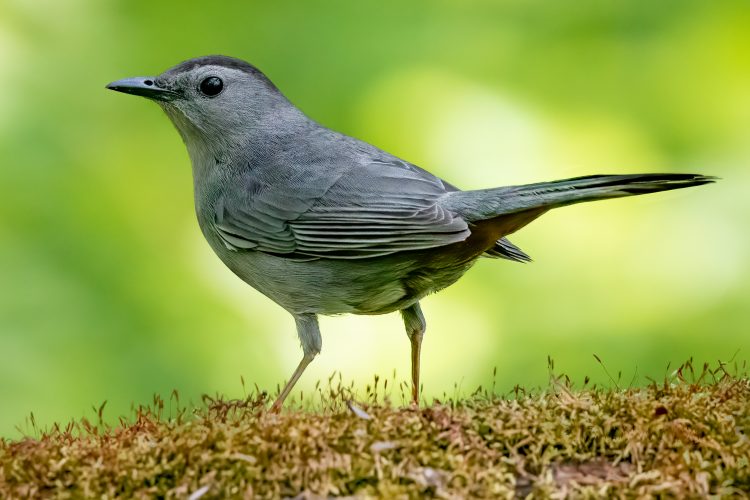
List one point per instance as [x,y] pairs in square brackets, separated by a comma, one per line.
[144,86]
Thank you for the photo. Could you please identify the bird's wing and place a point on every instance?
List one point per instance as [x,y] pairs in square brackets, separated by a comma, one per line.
[366,211]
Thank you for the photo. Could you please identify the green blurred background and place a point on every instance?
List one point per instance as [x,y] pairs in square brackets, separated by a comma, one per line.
[108,291]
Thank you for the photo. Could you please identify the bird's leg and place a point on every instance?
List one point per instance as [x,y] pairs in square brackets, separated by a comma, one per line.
[309,337]
[415,327]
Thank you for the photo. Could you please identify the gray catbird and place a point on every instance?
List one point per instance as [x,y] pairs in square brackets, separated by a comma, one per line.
[323,223]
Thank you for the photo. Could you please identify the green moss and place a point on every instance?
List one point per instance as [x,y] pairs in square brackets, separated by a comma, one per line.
[680,437]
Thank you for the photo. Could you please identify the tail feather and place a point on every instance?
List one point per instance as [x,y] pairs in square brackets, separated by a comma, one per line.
[491,203]
[504,249]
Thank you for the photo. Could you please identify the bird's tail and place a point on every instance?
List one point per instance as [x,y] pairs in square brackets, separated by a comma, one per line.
[531,200]
[488,203]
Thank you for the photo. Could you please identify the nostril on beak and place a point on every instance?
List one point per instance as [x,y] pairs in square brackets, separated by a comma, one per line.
[148,82]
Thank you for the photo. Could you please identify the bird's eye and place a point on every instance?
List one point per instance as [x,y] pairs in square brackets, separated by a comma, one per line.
[211,86]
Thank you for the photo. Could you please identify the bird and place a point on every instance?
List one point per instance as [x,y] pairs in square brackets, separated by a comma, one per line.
[323,223]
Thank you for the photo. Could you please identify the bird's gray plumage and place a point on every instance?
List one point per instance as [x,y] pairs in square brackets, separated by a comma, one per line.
[323,223]
[348,212]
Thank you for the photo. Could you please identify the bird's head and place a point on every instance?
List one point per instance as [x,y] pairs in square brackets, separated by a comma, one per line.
[214,101]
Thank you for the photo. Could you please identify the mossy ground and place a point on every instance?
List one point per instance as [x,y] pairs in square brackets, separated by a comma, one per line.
[687,436]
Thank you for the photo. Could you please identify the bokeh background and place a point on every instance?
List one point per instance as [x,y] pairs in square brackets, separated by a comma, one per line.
[108,292]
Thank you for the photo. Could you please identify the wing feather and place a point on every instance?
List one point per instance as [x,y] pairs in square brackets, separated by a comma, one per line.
[368,211]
